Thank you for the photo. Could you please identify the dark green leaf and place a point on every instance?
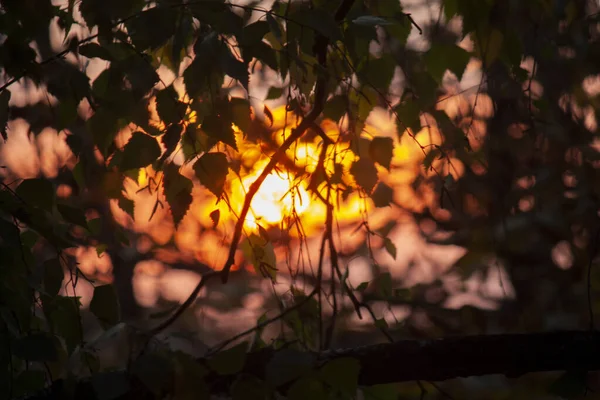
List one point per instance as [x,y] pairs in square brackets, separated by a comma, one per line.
[126,205]
[241,114]
[307,388]
[94,50]
[381,392]
[268,114]
[274,93]
[274,27]
[219,128]
[341,374]
[140,151]
[287,365]
[73,215]
[53,276]
[152,28]
[37,192]
[570,385]
[365,174]
[336,107]
[381,150]
[384,285]
[103,126]
[378,72]
[383,195]
[442,57]
[178,192]
[211,170]
[38,346]
[66,82]
[189,379]
[170,139]
[247,387]
[390,247]
[253,33]
[235,68]
[215,215]
[169,108]
[154,370]
[63,314]
[105,305]
[230,361]
[318,20]
[409,116]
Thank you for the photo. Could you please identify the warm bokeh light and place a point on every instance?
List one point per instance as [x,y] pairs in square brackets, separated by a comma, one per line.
[280,196]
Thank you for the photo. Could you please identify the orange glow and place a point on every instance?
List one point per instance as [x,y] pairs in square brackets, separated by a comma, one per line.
[279,197]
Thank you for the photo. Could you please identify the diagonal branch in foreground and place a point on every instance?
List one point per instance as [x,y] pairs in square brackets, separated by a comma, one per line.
[420,360]
[511,355]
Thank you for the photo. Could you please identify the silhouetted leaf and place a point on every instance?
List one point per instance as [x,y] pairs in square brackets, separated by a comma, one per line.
[126,205]
[154,370]
[409,116]
[381,150]
[274,93]
[384,285]
[140,151]
[378,72]
[211,170]
[169,108]
[336,107]
[235,68]
[73,215]
[341,375]
[268,114]
[307,388]
[383,195]
[37,192]
[288,365]
[39,346]
[274,27]
[178,192]
[569,385]
[4,99]
[230,361]
[220,129]
[390,247]
[442,57]
[53,276]
[170,139]
[152,28]
[105,305]
[241,114]
[247,387]
[365,174]
[94,50]
[318,20]
[63,315]
[380,392]
[214,217]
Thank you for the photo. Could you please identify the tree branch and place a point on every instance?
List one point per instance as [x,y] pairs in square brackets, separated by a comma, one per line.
[433,360]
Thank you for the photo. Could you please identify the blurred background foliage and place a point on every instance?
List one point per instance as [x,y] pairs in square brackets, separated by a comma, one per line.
[448,186]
